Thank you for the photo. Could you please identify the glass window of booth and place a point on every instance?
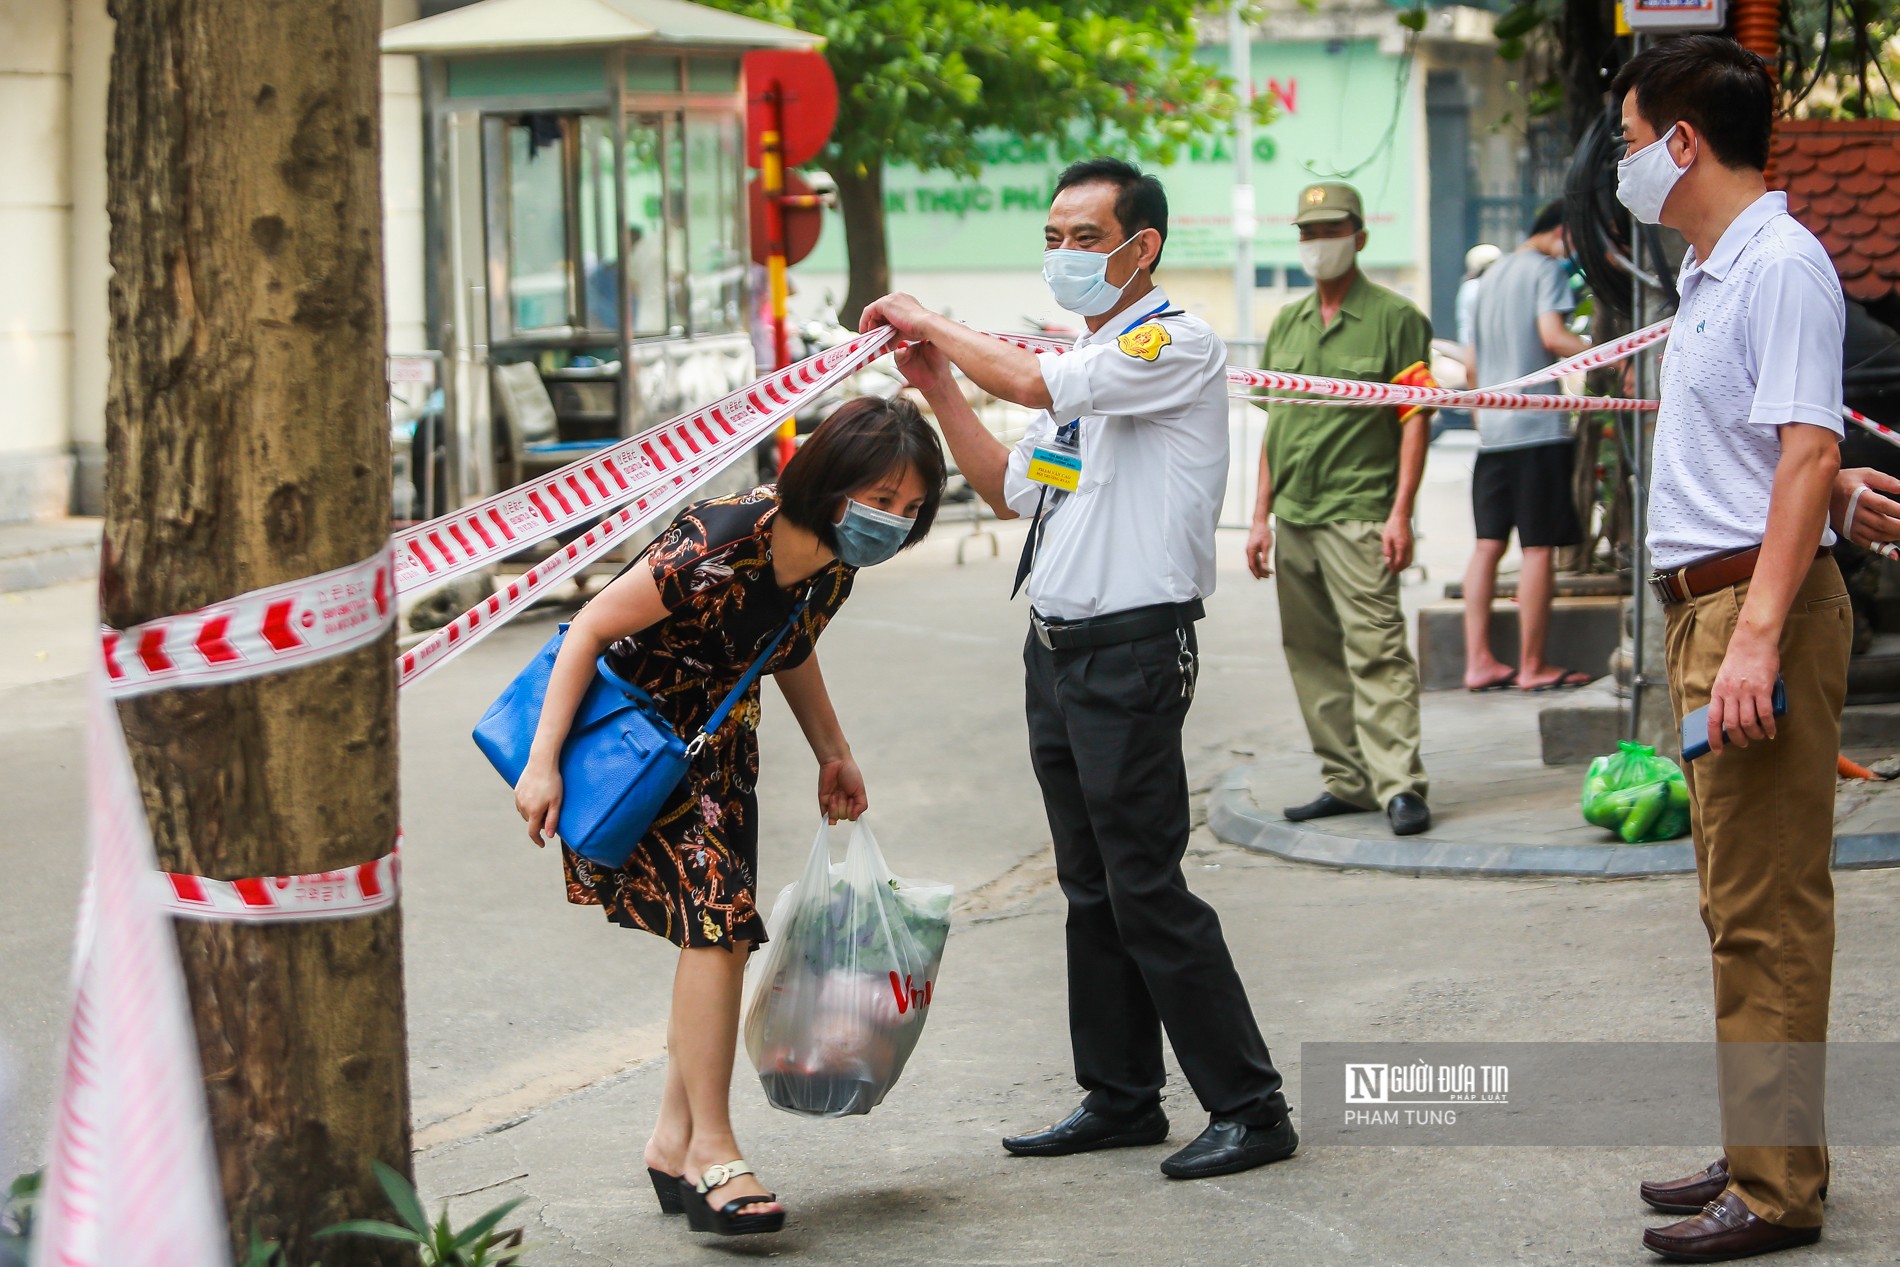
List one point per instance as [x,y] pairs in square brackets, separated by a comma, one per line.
[539,296]
[558,205]
[716,258]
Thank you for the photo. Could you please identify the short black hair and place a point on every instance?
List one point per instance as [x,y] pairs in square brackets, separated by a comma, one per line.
[1140,202]
[1551,217]
[1710,82]
[859,443]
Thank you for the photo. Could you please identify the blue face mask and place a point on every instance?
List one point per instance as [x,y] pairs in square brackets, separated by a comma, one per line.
[1079,280]
[868,536]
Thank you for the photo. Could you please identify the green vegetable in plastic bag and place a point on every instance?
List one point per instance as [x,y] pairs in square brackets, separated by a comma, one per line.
[1640,796]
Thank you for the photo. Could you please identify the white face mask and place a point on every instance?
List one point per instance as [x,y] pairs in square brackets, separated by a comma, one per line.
[1644,179]
[1327,258]
[1079,280]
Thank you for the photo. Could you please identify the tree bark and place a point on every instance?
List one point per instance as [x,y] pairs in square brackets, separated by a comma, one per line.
[861,203]
[247,444]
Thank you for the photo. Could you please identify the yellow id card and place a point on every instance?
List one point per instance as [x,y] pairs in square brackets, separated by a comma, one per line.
[1057,465]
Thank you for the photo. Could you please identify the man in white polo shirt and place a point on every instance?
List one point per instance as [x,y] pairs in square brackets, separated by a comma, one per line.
[1121,474]
[1745,460]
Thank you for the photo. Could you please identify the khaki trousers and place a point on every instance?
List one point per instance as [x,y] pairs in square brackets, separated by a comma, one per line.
[1344,637]
[1763,820]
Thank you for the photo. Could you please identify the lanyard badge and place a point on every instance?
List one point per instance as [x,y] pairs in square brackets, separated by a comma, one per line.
[1057,462]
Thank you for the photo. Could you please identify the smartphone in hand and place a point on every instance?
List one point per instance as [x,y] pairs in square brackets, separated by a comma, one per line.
[1695,727]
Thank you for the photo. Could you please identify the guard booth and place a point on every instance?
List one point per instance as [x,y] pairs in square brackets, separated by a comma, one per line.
[585,221]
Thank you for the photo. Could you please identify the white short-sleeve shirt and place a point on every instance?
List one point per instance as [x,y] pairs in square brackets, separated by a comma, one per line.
[1150,389]
[1755,345]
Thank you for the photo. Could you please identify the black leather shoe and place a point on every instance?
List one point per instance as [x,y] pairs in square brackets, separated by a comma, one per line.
[1325,807]
[1226,1148]
[1407,814]
[1084,1131]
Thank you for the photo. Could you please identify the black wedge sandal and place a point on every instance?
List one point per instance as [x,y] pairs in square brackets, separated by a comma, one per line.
[667,1188]
[726,1220]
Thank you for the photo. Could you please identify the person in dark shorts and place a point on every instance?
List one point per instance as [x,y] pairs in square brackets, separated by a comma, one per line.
[1522,479]
[684,622]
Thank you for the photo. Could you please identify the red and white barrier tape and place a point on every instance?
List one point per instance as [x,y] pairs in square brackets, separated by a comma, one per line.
[502,606]
[1335,389]
[1860,419]
[669,473]
[474,536]
[284,898]
[304,621]
[264,631]
[131,1180]
[1483,400]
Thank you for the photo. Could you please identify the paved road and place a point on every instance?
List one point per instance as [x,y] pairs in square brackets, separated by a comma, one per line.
[514,996]
[534,1025]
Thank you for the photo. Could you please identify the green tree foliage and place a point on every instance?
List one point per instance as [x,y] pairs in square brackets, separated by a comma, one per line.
[1840,59]
[919,80]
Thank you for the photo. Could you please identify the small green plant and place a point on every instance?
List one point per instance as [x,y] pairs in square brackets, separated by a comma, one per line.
[16,1219]
[438,1243]
[263,1253]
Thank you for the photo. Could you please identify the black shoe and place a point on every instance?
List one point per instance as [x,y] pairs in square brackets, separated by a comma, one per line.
[727,1219]
[1325,807]
[667,1188]
[1227,1147]
[1083,1131]
[1407,814]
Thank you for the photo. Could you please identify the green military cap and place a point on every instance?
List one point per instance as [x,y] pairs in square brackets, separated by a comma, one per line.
[1328,200]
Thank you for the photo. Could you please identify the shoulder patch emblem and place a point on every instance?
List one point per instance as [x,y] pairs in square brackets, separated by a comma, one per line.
[1146,341]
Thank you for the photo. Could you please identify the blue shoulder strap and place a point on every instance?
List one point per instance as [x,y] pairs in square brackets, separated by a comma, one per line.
[744,684]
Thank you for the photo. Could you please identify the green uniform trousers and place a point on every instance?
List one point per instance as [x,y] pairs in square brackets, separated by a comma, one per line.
[1344,636]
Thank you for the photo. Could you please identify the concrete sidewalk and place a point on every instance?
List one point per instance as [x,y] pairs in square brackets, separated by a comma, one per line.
[1327,956]
[48,552]
[535,1028]
[1497,809]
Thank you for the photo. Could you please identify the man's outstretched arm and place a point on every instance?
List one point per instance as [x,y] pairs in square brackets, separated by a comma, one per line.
[979,455]
[1001,369]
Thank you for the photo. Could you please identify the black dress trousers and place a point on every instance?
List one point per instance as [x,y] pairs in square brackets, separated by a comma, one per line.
[1145,954]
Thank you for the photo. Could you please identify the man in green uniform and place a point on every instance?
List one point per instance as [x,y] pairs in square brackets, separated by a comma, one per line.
[1340,480]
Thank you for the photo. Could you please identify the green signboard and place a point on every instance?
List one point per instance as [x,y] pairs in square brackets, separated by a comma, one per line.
[1345,112]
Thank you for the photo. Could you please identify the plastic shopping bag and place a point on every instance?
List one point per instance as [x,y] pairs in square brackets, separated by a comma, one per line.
[838,997]
[1640,796]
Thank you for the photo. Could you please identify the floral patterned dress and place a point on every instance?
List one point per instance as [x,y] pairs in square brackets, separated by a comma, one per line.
[693,877]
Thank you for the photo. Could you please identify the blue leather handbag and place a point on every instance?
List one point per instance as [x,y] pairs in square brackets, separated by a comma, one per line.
[622,761]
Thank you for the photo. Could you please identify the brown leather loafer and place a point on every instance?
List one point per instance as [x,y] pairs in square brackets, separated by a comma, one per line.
[1725,1229]
[1690,1195]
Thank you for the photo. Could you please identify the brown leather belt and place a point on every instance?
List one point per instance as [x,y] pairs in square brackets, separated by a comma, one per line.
[1705,576]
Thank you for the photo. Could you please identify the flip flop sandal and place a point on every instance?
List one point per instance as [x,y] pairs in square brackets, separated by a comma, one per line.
[1502,684]
[726,1220]
[1562,682]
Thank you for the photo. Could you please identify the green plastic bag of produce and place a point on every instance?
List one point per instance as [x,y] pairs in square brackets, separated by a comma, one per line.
[1640,796]
[839,996]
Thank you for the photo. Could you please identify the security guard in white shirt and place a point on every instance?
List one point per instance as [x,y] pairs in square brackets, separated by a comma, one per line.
[1122,473]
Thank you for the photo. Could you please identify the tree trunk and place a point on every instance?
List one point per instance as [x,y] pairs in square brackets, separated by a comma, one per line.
[861,202]
[247,445]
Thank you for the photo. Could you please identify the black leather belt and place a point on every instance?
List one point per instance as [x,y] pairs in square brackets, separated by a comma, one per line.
[1116,627]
